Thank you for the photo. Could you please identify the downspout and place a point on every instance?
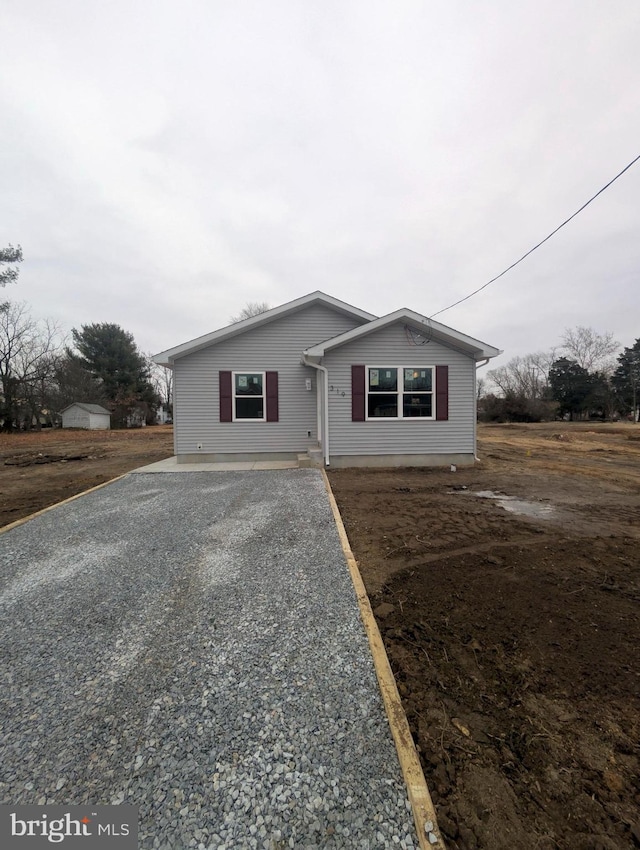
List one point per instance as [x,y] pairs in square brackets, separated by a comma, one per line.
[174,403]
[325,405]
[475,404]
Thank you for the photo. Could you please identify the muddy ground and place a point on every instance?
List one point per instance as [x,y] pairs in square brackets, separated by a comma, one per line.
[512,627]
[38,469]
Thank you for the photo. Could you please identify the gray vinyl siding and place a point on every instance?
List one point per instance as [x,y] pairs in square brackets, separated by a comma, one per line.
[276,346]
[392,347]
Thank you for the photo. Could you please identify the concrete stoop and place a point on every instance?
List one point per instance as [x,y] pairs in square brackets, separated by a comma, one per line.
[311,459]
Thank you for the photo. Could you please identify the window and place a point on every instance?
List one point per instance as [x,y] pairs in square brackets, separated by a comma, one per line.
[249,396]
[400,392]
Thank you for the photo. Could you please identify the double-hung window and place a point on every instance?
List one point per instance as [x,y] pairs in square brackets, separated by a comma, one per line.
[249,396]
[400,392]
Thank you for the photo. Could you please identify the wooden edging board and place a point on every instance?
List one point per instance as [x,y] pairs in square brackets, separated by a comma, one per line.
[424,813]
[57,504]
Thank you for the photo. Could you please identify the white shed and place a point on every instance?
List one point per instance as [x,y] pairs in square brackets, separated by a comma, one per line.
[81,415]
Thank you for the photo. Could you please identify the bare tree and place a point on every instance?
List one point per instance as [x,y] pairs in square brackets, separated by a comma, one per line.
[523,390]
[28,354]
[251,309]
[162,380]
[525,377]
[591,350]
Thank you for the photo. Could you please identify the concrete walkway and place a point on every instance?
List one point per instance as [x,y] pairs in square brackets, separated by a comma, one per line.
[191,644]
[171,464]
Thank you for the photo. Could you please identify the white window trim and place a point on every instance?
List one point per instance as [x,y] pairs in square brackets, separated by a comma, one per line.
[399,392]
[234,396]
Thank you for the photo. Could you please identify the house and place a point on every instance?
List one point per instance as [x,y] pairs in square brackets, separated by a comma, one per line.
[136,417]
[330,384]
[83,415]
[164,415]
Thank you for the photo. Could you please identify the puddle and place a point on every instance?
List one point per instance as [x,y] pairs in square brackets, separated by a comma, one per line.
[537,510]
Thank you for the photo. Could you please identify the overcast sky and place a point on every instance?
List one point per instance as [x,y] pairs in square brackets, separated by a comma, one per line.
[164,163]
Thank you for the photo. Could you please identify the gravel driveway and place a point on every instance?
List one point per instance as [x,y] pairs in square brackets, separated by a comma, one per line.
[190,643]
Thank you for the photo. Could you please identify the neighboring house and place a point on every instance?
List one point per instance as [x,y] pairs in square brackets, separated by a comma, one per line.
[330,382]
[136,418]
[81,415]
[164,415]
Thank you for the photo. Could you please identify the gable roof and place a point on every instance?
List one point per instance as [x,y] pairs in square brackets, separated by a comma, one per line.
[90,408]
[426,327]
[166,358]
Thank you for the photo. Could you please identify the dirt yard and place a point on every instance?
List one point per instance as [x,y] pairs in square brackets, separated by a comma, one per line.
[40,469]
[507,596]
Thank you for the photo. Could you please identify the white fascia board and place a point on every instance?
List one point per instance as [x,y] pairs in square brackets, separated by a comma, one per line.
[167,358]
[479,350]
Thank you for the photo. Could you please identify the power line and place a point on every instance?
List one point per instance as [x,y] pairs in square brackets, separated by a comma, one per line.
[546,238]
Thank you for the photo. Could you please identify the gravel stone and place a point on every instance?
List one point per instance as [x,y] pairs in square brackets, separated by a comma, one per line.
[191,644]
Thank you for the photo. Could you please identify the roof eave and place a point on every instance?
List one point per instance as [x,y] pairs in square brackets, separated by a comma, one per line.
[168,357]
[102,412]
[477,349]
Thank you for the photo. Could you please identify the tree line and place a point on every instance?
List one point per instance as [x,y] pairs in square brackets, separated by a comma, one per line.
[43,370]
[585,376]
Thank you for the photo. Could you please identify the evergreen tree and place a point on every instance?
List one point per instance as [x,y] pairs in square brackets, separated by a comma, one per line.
[72,382]
[9,256]
[571,386]
[626,379]
[110,354]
